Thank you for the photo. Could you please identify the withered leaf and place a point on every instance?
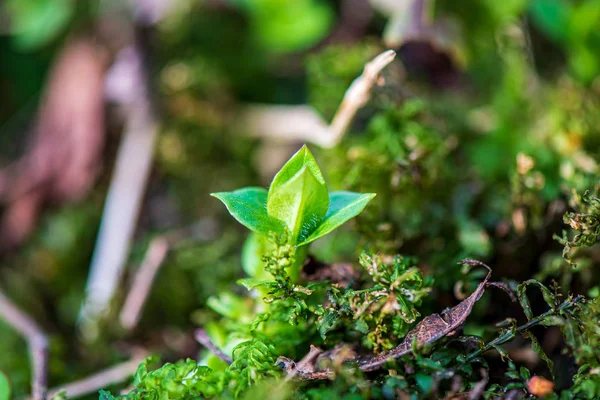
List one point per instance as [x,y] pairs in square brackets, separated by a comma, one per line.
[433,327]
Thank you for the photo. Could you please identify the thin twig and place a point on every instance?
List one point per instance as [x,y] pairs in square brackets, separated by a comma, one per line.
[509,335]
[203,338]
[113,375]
[37,340]
[136,298]
[155,256]
[302,123]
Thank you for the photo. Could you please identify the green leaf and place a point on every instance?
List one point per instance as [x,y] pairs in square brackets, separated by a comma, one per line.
[4,387]
[301,201]
[361,326]
[328,322]
[343,206]
[248,206]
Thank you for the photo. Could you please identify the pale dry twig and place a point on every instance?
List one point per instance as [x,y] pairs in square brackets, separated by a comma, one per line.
[302,123]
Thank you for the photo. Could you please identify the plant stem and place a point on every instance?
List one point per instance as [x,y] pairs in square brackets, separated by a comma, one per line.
[509,335]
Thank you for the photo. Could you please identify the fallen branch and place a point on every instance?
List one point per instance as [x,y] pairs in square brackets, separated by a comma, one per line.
[203,338]
[91,384]
[303,124]
[37,341]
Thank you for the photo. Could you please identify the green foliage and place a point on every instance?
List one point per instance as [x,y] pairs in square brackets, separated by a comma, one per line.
[384,312]
[582,335]
[253,361]
[343,206]
[181,380]
[297,200]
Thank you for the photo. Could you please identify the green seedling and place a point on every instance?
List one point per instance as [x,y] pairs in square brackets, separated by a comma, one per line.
[297,207]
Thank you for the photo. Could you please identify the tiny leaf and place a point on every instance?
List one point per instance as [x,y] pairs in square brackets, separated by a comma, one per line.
[343,206]
[328,322]
[251,283]
[301,202]
[248,206]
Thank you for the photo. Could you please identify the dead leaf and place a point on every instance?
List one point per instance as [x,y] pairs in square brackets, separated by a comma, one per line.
[433,327]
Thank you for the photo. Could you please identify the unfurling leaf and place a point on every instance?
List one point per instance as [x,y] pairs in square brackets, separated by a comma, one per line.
[302,158]
[295,211]
[301,203]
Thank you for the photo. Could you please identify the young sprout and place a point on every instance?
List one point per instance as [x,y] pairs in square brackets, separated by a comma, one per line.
[297,206]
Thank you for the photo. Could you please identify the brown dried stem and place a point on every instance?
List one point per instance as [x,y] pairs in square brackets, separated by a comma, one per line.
[203,338]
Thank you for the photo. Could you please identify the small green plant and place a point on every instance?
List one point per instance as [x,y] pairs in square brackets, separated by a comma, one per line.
[297,206]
